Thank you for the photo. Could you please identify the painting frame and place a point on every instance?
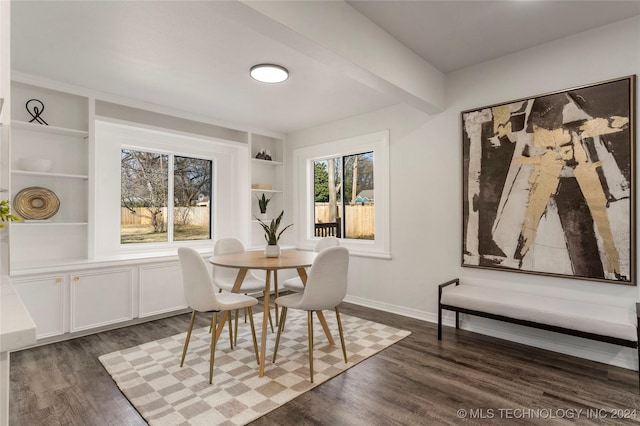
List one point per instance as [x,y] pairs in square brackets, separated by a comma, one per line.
[548,184]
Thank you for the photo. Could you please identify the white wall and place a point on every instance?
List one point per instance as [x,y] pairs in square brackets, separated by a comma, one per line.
[426,208]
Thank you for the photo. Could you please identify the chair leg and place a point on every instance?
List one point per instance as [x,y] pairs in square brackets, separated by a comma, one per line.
[270,320]
[344,348]
[275,295]
[235,335]
[186,342]
[253,333]
[214,321]
[230,331]
[310,326]
[283,315]
[282,319]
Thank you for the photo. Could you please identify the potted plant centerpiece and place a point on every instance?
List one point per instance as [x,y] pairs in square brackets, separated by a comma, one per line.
[272,236]
[263,202]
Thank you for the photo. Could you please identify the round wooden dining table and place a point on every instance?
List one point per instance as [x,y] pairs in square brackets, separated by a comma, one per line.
[256,260]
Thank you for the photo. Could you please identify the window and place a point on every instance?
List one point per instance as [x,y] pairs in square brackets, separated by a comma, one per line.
[203,174]
[148,188]
[344,197]
[342,190]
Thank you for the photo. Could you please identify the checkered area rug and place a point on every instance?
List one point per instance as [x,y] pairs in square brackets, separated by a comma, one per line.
[150,376]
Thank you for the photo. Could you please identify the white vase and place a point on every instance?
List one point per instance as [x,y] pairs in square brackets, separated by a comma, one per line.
[262,216]
[272,251]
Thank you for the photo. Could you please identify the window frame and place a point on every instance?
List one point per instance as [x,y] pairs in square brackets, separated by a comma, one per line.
[229,161]
[303,189]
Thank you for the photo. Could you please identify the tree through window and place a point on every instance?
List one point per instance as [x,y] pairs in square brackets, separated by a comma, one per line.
[146,180]
[344,196]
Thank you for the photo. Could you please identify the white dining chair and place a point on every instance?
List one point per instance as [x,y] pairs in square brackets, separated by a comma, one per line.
[202,297]
[224,278]
[326,287]
[295,284]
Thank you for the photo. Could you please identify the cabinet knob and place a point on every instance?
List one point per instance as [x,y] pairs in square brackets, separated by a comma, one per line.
[58,280]
[76,278]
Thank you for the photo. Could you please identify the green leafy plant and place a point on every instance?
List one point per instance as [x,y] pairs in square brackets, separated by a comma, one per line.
[271,234]
[5,213]
[263,202]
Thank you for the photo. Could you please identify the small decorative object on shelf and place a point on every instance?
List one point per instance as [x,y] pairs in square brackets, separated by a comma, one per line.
[35,108]
[35,164]
[264,154]
[261,186]
[262,204]
[36,203]
[5,213]
[272,236]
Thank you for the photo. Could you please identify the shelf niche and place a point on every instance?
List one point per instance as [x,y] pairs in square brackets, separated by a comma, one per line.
[65,141]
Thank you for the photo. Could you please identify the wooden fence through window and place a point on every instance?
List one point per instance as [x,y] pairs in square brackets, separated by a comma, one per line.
[198,216]
[358,219]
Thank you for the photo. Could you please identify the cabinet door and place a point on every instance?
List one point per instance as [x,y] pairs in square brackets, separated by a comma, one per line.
[44,299]
[100,298]
[161,289]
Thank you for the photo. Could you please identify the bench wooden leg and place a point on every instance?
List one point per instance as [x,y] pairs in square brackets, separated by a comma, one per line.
[457,320]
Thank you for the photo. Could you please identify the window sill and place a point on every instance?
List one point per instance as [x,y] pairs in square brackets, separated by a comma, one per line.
[355,249]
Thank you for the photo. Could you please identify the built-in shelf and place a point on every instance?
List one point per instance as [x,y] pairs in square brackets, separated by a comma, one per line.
[45,223]
[267,190]
[49,174]
[49,129]
[266,162]
[266,174]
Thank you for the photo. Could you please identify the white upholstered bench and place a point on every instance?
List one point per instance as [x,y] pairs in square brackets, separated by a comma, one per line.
[606,323]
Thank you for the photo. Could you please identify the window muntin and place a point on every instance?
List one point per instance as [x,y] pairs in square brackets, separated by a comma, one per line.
[148,188]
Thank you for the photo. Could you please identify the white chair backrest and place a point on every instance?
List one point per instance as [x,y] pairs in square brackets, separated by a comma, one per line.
[326,242]
[226,246]
[327,280]
[198,288]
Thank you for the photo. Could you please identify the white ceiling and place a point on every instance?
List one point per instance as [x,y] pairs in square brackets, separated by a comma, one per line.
[451,35]
[194,56]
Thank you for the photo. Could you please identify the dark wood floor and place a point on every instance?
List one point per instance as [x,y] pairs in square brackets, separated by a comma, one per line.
[418,381]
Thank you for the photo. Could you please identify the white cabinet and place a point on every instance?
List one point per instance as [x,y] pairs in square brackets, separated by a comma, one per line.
[100,298]
[267,177]
[161,289]
[44,298]
[64,142]
[70,301]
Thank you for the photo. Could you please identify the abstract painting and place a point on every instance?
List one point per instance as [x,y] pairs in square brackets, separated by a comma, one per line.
[548,184]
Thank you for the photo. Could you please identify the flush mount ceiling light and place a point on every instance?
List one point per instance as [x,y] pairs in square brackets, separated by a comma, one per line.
[269,73]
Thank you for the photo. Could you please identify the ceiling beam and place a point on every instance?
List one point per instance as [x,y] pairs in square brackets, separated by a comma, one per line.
[335,34]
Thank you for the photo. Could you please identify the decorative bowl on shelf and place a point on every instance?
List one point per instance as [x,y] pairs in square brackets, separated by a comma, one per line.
[35,164]
[36,203]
